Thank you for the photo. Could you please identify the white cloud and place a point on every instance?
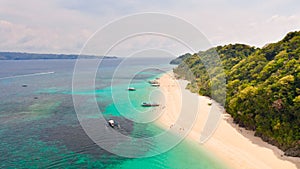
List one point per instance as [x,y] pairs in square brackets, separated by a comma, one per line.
[62,26]
[17,37]
[42,27]
[148,42]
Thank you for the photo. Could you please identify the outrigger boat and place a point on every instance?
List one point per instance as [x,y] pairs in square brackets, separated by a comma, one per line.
[153,82]
[155,85]
[149,104]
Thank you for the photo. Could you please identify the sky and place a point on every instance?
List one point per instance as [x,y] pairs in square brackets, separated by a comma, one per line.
[64,26]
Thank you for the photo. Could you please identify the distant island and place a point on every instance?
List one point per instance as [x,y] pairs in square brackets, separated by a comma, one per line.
[34,56]
[263,87]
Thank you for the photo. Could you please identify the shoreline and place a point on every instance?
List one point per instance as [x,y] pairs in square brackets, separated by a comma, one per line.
[234,146]
[258,141]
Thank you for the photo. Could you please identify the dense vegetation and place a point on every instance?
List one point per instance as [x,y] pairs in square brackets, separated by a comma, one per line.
[32,56]
[263,87]
[180,59]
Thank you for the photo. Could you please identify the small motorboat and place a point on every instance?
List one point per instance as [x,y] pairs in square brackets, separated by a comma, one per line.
[111,123]
[24,85]
[131,89]
[149,104]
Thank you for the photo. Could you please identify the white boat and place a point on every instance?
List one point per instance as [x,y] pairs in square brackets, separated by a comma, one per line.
[155,85]
[111,123]
[149,104]
[153,82]
[131,89]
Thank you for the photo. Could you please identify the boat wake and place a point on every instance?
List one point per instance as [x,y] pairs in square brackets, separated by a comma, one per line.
[26,75]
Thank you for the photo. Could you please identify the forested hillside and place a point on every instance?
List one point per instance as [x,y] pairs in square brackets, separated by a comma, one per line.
[263,87]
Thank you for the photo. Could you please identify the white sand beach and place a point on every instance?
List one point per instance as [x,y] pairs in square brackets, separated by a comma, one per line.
[236,147]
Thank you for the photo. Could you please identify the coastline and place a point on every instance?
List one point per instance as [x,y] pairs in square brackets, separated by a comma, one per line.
[233,145]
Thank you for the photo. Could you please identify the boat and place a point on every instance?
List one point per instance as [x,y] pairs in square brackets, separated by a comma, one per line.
[155,85]
[24,85]
[149,104]
[153,82]
[131,89]
[111,123]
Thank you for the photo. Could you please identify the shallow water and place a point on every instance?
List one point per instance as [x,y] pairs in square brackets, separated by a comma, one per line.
[39,127]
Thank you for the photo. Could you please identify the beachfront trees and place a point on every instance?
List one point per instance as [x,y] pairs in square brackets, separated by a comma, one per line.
[263,87]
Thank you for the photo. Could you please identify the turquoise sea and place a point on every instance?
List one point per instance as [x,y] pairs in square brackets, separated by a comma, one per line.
[39,127]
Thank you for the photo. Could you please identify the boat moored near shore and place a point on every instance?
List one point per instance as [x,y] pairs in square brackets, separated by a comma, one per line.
[149,104]
[155,85]
[153,82]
